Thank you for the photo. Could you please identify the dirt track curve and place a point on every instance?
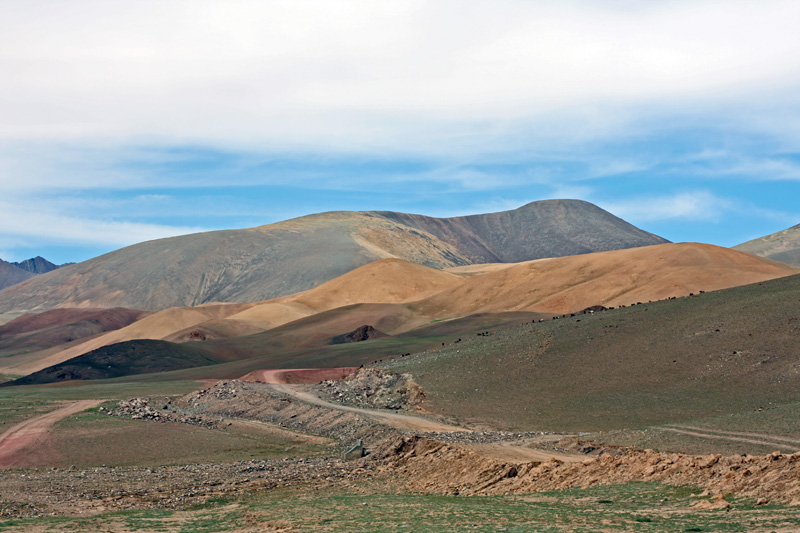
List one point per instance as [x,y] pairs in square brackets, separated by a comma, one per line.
[25,434]
[277,380]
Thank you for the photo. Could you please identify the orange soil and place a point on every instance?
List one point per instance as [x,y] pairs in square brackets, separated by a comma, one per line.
[620,277]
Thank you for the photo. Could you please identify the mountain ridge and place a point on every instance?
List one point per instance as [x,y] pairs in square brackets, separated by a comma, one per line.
[783,246]
[270,261]
[14,272]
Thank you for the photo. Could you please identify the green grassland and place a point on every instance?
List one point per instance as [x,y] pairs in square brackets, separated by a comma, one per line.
[93,439]
[640,507]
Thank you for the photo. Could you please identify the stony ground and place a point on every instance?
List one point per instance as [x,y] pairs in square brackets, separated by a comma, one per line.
[449,463]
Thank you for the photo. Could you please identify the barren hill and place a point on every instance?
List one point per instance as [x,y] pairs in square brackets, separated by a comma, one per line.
[783,246]
[619,277]
[549,228]
[396,296]
[727,351]
[270,261]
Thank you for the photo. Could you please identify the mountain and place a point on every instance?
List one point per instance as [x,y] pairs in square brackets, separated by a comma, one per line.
[266,262]
[37,265]
[11,274]
[783,246]
[549,228]
[395,297]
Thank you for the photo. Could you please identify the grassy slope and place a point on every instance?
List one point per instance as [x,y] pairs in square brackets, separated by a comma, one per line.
[643,507]
[716,353]
[123,359]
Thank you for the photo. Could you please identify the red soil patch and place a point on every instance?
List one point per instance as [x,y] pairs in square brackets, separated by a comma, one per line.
[298,376]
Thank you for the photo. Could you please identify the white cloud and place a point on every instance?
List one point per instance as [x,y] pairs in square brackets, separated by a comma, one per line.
[357,75]
[702,206]
[22,226]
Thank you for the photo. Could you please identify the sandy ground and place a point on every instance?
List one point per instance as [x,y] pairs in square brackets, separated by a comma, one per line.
[28,433]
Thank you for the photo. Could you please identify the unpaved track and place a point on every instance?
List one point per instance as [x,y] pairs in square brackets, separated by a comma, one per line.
[402,422]
[25,434]
[750,438]
[277,380]
[762,436]
[298,375]
[512,452]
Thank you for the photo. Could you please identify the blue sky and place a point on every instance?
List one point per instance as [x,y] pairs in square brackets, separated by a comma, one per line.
[127,121]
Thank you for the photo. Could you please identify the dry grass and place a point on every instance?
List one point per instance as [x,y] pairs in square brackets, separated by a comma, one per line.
[666,362]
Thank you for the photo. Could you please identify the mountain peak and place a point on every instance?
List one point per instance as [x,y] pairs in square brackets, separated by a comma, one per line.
[262,263]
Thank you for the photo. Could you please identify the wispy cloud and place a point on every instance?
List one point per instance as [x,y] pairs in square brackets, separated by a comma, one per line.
[701,206]
[18,225]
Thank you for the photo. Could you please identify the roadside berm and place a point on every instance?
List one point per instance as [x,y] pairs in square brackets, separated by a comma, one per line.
[482,463]
[430,466]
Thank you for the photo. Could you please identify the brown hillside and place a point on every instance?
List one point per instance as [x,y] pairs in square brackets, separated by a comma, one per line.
[154,326]
[557,286]
[783,246]
[620,277]
[385,281]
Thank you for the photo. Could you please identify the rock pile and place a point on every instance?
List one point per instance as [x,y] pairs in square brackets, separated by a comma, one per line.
[142,409]
[375,388]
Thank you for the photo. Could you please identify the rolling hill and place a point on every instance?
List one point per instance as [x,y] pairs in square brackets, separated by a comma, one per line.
[783,246]
[731,351]
[266,262]
[396,296]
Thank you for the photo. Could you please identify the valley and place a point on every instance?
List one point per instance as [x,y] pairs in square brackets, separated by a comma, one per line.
[431,363]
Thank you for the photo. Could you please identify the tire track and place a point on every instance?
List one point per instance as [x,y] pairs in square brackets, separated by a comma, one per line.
[705,434]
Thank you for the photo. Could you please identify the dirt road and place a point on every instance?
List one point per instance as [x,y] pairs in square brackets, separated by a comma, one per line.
[298,375]
[397,420]
[27,433]
[779,443]
[277,379]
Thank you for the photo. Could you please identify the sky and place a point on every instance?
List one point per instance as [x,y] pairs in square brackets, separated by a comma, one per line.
[125,121]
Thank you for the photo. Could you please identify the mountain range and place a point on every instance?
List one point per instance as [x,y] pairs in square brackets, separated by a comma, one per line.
[270,261]
[388,274]
[13,273]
